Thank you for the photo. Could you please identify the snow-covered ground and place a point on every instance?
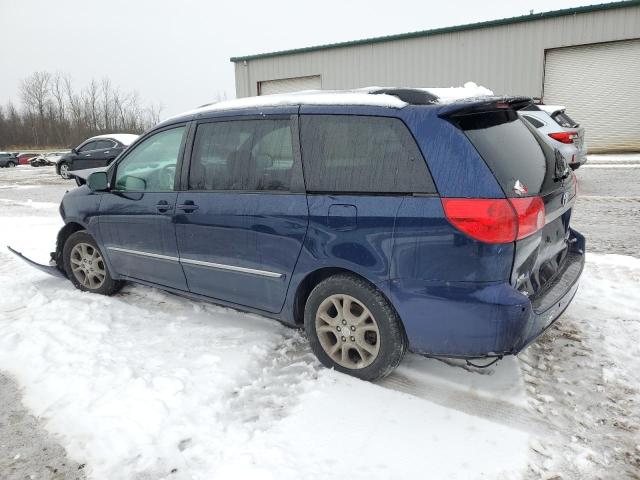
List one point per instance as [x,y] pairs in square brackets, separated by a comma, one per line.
[148,385]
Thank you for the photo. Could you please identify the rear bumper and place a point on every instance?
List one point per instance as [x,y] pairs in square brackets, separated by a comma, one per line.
[470,319]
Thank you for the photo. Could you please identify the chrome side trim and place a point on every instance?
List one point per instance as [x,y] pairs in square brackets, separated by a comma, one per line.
[144,254]
[232,268]
[200,263]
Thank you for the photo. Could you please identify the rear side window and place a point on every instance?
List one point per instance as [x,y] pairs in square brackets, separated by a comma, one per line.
[533,121]
[513,152]
[103,144]
[564,120]
[347,153]
[242,155]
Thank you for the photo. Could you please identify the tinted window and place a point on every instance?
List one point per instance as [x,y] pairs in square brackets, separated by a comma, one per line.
[242,155]
[103,144]
[513,152]
[564,120]
[345,153]
[87,147]
[533,121]
[151,165]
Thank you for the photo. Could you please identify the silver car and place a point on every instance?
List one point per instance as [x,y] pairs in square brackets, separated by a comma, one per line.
[559,131]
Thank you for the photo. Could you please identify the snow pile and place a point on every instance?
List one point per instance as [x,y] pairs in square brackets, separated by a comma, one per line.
[149,385]
[452,94]
[583,377]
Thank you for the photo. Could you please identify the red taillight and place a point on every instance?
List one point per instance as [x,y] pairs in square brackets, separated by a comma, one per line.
[564,137]
[497,220]
[530,212]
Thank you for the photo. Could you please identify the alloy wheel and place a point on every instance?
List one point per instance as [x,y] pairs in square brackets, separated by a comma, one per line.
[87,265]
[347,331]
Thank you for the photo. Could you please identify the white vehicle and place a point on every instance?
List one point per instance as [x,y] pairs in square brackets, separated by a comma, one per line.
[555,128]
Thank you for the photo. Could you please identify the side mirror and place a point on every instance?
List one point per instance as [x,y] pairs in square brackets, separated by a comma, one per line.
[97,181]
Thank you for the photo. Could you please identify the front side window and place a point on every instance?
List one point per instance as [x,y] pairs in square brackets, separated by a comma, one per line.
[151,165]
[348,153]
[250,155]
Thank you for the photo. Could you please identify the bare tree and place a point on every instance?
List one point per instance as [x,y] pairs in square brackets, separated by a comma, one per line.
[54,112]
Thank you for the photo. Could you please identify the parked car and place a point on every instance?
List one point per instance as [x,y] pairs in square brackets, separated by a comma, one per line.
[98,151]
[380,221]
[24,157]
[559,131]
[46,159]
[8,159]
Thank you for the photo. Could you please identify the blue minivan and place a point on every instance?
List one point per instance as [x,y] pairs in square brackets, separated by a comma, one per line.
[382,221]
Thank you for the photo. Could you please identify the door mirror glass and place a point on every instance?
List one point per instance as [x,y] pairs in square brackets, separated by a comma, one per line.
[97,181]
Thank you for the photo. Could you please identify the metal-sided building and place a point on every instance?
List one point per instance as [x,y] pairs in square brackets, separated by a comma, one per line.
[587,58]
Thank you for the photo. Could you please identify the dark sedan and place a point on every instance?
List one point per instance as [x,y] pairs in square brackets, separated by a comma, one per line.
[94,152]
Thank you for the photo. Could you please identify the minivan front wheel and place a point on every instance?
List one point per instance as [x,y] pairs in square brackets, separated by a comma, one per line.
[85,265]
[352,327]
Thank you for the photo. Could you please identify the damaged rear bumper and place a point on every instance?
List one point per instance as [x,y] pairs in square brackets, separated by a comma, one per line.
[51,269]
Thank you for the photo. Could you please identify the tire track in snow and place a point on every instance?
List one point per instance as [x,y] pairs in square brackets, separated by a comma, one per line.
[287,372]
[491,409]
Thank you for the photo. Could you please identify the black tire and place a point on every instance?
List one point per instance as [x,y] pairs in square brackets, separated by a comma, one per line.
[11,164]
[109,286]
[392,338]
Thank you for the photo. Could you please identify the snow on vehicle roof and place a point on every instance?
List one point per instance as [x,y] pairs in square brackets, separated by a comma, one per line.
[452,94]
[361,96]
[551,109]
[124,138]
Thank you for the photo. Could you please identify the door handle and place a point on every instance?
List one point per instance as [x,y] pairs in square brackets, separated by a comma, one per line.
[163,206]
[87,154]
[188,206]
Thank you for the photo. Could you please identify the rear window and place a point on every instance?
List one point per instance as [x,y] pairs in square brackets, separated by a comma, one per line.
[361,154]
[564,120]
[521,163]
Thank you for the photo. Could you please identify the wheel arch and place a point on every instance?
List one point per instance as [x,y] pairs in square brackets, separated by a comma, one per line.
[313,278]
[64,233]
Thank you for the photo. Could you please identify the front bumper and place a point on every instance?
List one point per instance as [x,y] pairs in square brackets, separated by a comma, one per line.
[474,320]
[51,269]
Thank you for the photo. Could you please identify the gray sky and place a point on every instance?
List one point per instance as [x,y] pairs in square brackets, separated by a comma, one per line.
[177,52]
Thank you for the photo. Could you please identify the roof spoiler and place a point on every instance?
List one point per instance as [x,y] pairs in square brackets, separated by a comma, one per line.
[483,104]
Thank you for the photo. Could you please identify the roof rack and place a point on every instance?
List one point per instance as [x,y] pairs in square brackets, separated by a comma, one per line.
[412,96]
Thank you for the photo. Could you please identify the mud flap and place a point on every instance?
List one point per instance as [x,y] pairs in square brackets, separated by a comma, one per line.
[50,269]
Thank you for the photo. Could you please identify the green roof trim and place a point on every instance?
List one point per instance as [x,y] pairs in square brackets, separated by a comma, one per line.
[438,31]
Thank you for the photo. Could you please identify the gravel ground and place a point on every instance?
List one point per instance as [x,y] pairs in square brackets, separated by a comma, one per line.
[607,214]
[27,451]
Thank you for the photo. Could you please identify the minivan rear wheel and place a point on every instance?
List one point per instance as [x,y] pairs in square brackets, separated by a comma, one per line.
[353,328]
[85,265]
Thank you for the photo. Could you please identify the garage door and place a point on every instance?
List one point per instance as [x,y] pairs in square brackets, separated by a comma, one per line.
[286,85]
[600,86]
